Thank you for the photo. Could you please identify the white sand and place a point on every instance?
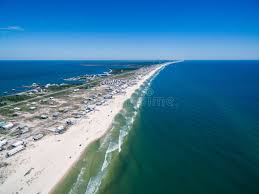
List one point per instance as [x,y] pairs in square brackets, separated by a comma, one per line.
[50,158]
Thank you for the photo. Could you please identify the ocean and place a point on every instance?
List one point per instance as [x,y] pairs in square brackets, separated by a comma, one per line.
[19,73]
[192,129]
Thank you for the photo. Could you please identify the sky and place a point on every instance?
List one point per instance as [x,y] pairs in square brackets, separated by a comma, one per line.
[129,29]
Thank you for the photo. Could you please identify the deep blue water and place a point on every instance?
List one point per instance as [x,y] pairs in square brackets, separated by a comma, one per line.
[206,141]
[196,132]
[15,74]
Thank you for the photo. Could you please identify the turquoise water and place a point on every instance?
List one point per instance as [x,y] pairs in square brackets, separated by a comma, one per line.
[93,167]
[196,131]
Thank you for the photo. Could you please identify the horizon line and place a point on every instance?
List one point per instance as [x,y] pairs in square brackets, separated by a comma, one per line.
[128,59]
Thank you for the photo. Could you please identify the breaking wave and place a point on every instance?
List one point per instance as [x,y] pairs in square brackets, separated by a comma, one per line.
[79,182]
[96,167]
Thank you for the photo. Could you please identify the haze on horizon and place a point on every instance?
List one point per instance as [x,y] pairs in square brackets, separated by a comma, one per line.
[176,29]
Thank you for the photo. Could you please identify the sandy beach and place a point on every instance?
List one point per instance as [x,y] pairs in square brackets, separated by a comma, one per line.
[43,164]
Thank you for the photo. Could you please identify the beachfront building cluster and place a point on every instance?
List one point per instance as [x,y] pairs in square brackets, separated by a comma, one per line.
[36,118]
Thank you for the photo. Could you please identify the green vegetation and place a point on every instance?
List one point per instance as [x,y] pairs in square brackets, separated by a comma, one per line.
[4,100]
[3,103]
[55,88]
[6,111]
[8,102]
[123,75]
[124,70]
[3,131]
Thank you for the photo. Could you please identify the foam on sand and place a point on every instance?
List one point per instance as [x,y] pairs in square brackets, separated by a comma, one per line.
[52,157]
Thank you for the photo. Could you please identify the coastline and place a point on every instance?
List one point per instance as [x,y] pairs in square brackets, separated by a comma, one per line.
[50,159]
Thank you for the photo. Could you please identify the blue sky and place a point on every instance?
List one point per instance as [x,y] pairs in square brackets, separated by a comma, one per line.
[129,29]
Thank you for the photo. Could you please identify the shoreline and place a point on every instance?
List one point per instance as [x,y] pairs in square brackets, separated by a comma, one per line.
[51,159]
[77,168]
